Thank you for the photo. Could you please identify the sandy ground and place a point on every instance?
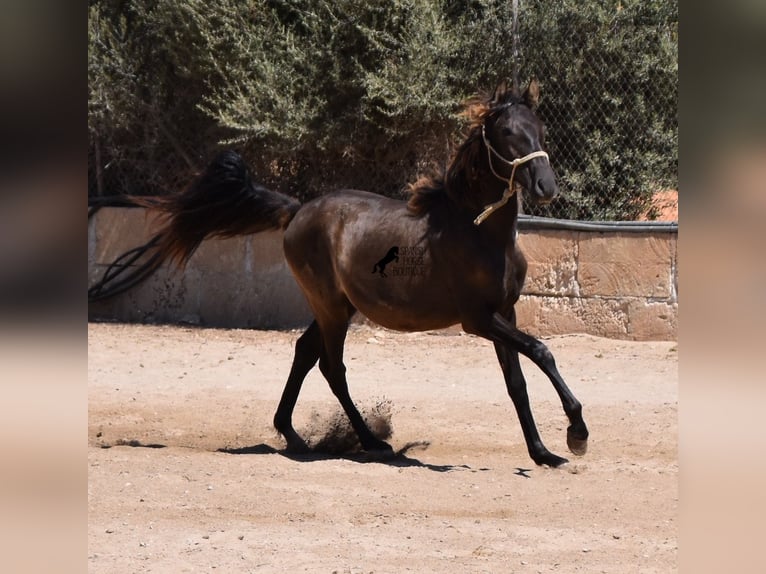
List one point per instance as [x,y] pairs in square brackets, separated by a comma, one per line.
[185,473]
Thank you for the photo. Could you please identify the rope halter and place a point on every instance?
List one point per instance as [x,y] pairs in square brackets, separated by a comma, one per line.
[508,193]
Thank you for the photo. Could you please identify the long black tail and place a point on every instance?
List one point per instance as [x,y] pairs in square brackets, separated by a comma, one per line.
[223,201]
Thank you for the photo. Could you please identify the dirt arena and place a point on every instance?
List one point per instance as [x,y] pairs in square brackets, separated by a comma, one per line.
[185,473]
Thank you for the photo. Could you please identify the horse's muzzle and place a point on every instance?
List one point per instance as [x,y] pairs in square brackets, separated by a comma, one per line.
[545,190]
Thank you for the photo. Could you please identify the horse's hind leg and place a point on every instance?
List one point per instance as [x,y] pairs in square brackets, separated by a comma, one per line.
[307,351]
[333,369]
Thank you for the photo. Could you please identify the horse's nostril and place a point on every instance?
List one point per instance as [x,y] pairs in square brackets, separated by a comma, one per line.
[543,193]
[547,191]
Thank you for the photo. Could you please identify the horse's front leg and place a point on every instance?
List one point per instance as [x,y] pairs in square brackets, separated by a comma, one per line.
[509,341]
[517,390]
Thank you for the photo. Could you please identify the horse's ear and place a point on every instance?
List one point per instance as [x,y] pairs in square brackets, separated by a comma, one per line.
[498,97]
[532,94]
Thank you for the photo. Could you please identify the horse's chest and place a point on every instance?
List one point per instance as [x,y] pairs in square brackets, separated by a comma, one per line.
[482,272]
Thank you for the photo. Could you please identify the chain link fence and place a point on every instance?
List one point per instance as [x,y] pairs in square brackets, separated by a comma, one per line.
[609,101]
[610,90]
[614,156]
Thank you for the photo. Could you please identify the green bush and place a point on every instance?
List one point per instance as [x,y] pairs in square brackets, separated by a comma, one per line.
[610,84]
[319,95]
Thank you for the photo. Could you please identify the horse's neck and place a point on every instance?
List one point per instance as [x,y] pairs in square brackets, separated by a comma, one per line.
[469,197]
[502,224]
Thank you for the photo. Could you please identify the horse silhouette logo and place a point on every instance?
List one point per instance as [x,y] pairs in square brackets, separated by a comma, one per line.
[380,266]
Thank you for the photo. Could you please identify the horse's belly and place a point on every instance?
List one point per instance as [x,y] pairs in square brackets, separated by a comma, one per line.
[403,304]
[399,319]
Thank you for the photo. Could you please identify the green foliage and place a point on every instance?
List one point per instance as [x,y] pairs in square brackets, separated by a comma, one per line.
[610,82]
[356,93]
[149,66]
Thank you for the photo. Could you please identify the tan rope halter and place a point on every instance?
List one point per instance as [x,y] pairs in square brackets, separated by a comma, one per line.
[508,193]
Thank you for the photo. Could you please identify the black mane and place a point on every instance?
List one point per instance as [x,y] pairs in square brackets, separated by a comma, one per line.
[453,181]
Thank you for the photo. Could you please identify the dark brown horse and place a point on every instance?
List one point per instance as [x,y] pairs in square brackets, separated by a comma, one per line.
[458,259]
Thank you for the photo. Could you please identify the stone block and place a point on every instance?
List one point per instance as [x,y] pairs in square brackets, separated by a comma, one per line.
[552,261]
[526,314]
[625,265]
[236,282]
[674,269]
[652,321]
[265,250]
[113,231]
[118,229]
[542,316]
[221,255]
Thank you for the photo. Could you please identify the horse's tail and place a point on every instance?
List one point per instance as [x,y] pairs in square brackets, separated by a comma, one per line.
[223,201]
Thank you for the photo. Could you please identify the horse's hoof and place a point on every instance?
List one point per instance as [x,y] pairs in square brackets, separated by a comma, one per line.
[578,446]
[296,445]
[550,459]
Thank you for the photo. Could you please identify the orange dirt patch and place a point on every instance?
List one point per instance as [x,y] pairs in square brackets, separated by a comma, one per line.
[666,204]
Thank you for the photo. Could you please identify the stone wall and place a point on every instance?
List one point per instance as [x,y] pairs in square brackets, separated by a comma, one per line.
[612,284]
[239,282]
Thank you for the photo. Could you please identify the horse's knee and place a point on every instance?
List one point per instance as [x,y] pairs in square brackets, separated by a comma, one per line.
[541,354]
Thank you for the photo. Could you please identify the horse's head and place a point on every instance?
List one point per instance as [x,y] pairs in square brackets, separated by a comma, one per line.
[514,139]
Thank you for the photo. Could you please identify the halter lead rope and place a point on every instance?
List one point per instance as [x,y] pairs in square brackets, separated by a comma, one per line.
[508,193]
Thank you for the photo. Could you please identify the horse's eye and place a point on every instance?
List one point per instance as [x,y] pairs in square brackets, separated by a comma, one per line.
[506,131]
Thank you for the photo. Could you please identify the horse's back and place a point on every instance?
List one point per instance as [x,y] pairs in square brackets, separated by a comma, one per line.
[336,219]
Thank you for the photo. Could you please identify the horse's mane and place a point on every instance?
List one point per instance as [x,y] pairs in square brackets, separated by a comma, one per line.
[453,181]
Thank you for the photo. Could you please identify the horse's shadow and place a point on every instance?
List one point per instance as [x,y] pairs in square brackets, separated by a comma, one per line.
[399,460]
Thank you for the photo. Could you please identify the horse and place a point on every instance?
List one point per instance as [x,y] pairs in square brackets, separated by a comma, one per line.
[461,223]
